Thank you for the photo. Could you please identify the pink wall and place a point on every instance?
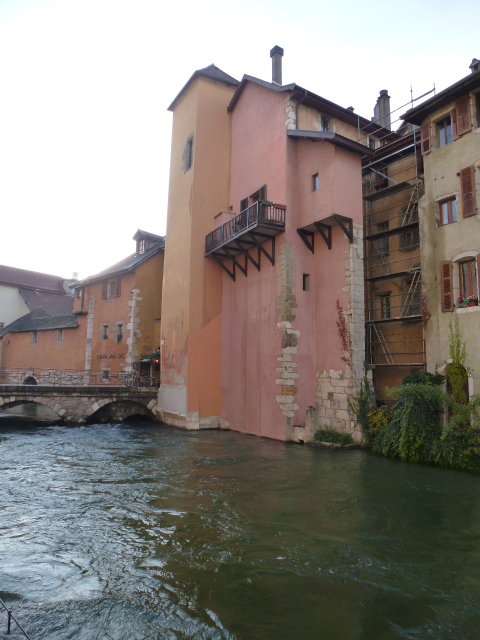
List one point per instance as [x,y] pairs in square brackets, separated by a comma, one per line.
[251,340]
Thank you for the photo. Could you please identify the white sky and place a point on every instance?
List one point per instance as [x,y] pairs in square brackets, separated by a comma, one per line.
[85,84]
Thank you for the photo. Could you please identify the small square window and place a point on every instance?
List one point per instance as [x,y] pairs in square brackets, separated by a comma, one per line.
[119,332]
[315,182]
[104,331]
[59,336]
[324,124]
[34,337]
[105,375]
[306,282]
[448,211]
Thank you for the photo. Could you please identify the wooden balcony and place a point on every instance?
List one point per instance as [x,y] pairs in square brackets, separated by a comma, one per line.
[247,231]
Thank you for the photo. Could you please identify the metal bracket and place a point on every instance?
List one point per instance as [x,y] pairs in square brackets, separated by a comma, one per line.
[231,274]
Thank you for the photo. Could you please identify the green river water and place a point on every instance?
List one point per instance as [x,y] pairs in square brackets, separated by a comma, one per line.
[144,531]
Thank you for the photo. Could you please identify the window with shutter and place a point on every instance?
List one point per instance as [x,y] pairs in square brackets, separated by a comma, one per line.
[117,289]
[243,204]
[464,123]
[446,285]
[453,117]
[426,143]
[104,290]
[262,193]
[467,184]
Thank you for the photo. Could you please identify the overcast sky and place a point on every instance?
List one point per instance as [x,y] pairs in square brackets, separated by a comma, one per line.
[85,85]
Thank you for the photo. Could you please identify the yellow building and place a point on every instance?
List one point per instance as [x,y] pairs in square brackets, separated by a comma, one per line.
[449,218]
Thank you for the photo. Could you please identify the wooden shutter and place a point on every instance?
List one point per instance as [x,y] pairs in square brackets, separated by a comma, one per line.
[446,285]
[117,288]
[464,123]
[104,290]
[453,118]
[426,142]
[467,185]
[262,193]
[478,274]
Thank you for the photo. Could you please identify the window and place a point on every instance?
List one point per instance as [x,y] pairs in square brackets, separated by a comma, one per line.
[371,142]
[111,289]
[119,332]
[59,336]
[324,123]
[105,375]
[230,209]
[306,282]
[315,182]
[188,155]
[448,211]
[409,240]
[382,244]
[467,272]
[385,312]
[104,331]
[444,132]
[34,337]
[477,105]
[243,204]
[141,247]
[79,293]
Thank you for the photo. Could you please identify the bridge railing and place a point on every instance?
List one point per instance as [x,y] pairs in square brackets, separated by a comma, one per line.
[74,378]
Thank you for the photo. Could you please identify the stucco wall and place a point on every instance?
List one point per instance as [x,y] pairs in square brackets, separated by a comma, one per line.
[12,305]
[442,168]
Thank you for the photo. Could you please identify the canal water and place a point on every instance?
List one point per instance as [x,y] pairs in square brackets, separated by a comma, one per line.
[144,531]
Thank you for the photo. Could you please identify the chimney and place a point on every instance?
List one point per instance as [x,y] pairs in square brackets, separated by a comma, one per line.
[381,111]
[475,66]
[276,55]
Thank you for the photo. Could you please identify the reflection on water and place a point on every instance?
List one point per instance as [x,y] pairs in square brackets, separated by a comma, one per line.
[148,532]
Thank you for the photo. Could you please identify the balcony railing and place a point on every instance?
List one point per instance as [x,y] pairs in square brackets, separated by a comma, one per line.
[72,378]
[258,214]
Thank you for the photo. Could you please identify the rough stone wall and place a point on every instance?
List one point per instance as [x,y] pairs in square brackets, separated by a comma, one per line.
[334,388]
[88,346]
[291,113]
[286,304]
[132,327]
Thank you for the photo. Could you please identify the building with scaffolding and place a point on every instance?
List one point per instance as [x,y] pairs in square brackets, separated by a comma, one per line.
[392,187]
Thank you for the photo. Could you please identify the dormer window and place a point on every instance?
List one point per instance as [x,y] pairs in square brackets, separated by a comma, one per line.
[141,246]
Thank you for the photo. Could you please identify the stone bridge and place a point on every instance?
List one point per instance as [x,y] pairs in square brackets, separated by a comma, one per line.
[80,405]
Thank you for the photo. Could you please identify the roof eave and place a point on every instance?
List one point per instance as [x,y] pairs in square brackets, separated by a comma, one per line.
[418,114]
[332,138]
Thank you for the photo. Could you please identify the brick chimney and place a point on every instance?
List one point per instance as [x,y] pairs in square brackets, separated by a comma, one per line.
[381,111]
[276,55]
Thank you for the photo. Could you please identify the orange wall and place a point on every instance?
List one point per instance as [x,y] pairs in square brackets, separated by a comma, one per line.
[149,281]
[18,352]
[192,291]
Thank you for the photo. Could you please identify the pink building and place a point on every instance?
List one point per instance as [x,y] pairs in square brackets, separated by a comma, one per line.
[289,242]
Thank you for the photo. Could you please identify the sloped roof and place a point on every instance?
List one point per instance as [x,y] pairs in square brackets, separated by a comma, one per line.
[30,279]
[54,304]
[128,264]
[38,321]
[150,236]
[442,99]
[212,73]
[310,99]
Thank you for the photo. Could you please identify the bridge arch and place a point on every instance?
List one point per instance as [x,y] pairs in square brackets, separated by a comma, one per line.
[118,410]
[18,400]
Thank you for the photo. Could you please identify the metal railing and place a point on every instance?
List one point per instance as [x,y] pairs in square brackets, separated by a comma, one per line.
[9,622]
[263,212]
[73,378]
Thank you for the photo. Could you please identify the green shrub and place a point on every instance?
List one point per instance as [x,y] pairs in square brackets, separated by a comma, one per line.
[360,405]
[378,419]
[423,377]
[415,424]
[335,437]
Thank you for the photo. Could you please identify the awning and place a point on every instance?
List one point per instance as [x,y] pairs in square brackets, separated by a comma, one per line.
[153,356]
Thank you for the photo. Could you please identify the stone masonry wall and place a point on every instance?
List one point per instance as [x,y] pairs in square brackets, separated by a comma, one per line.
[132,327]
[286,303]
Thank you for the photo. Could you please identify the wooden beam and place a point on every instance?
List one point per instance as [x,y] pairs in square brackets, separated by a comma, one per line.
[326,232]
[347,231]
